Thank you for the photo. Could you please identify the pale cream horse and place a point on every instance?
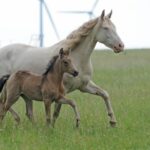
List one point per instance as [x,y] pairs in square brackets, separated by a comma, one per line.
[82,43]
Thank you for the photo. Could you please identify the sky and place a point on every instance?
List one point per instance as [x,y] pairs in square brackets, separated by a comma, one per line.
[19,20]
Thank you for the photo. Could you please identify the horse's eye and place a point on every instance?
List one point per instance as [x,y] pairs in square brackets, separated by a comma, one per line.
[65,63]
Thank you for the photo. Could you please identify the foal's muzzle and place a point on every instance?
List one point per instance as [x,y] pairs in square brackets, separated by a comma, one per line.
[75,73]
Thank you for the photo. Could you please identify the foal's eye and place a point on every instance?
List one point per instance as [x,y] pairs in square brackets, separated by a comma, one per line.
[105,28]
[65,63]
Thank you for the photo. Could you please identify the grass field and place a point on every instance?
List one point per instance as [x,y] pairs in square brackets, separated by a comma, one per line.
[126,77]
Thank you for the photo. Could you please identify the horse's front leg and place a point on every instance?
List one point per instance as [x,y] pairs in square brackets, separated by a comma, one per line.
[92,88]
[47,103]
[73,105]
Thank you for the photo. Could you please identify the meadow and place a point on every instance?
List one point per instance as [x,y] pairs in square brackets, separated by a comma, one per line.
[126,77]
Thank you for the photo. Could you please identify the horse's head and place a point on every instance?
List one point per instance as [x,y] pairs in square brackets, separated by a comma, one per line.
[66,63]
[106,33]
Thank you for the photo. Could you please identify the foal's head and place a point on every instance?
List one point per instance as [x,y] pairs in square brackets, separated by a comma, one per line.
[66,63]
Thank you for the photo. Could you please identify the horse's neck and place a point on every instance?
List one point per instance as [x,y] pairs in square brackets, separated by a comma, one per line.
[84,50]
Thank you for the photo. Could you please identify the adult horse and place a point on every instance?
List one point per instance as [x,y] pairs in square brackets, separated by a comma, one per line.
[82,43]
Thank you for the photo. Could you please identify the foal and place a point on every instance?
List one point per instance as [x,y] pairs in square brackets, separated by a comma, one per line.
[47,87]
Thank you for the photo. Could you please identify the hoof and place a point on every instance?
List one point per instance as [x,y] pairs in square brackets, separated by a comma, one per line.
[77,123]
[49,126]
[17,120]
[53,125]
[113,123]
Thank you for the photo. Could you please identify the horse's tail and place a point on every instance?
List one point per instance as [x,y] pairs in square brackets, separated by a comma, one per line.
[3,80]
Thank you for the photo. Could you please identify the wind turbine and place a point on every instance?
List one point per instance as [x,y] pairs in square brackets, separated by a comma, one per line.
[41,34]
[90,12]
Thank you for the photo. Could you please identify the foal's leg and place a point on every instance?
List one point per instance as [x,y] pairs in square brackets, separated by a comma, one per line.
[56,113]
[73,105]
[47,103]
[29,108]
[2,110]
[7,107]
[15,115]
[92,88]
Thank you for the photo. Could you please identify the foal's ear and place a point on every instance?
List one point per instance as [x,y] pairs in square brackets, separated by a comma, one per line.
[102,15]
[67,52]
[109,15]
[61,52]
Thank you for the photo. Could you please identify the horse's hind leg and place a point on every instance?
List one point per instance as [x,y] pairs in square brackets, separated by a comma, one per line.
[29,108]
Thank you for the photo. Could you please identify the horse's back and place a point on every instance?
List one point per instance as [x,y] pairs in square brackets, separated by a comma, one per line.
[16,57]
[8,50]
[8,56]
[36,59]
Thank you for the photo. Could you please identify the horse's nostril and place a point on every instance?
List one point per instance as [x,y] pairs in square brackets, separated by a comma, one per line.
[121,45]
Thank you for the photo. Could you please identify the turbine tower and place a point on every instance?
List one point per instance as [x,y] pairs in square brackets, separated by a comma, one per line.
[41,34]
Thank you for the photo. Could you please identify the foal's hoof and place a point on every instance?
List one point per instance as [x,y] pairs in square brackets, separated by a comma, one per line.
[77,123]
[17,120]
[113,123]
[53,125]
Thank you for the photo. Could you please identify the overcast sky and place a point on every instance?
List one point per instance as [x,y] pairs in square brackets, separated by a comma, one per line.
[19,20]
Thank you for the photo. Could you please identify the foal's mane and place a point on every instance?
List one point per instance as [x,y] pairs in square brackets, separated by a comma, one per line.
[76,36]
[50,65]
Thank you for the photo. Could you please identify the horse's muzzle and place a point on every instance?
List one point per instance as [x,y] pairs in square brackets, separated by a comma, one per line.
[118,48]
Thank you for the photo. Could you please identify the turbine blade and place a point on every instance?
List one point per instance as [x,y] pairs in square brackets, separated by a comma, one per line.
[51,19]
[75,12]
[94,5]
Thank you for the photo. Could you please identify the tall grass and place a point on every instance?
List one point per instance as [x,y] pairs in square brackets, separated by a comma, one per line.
[126,77]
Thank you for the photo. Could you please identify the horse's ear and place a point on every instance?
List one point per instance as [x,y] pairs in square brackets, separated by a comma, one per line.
[103,14]
[109,15]
[61,52]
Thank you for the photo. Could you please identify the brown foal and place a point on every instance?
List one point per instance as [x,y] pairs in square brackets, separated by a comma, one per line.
[47,87]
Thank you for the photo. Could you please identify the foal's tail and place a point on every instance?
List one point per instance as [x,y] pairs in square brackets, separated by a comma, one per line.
[3,80]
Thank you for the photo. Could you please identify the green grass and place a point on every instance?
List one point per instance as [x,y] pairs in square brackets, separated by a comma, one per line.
[126,77]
